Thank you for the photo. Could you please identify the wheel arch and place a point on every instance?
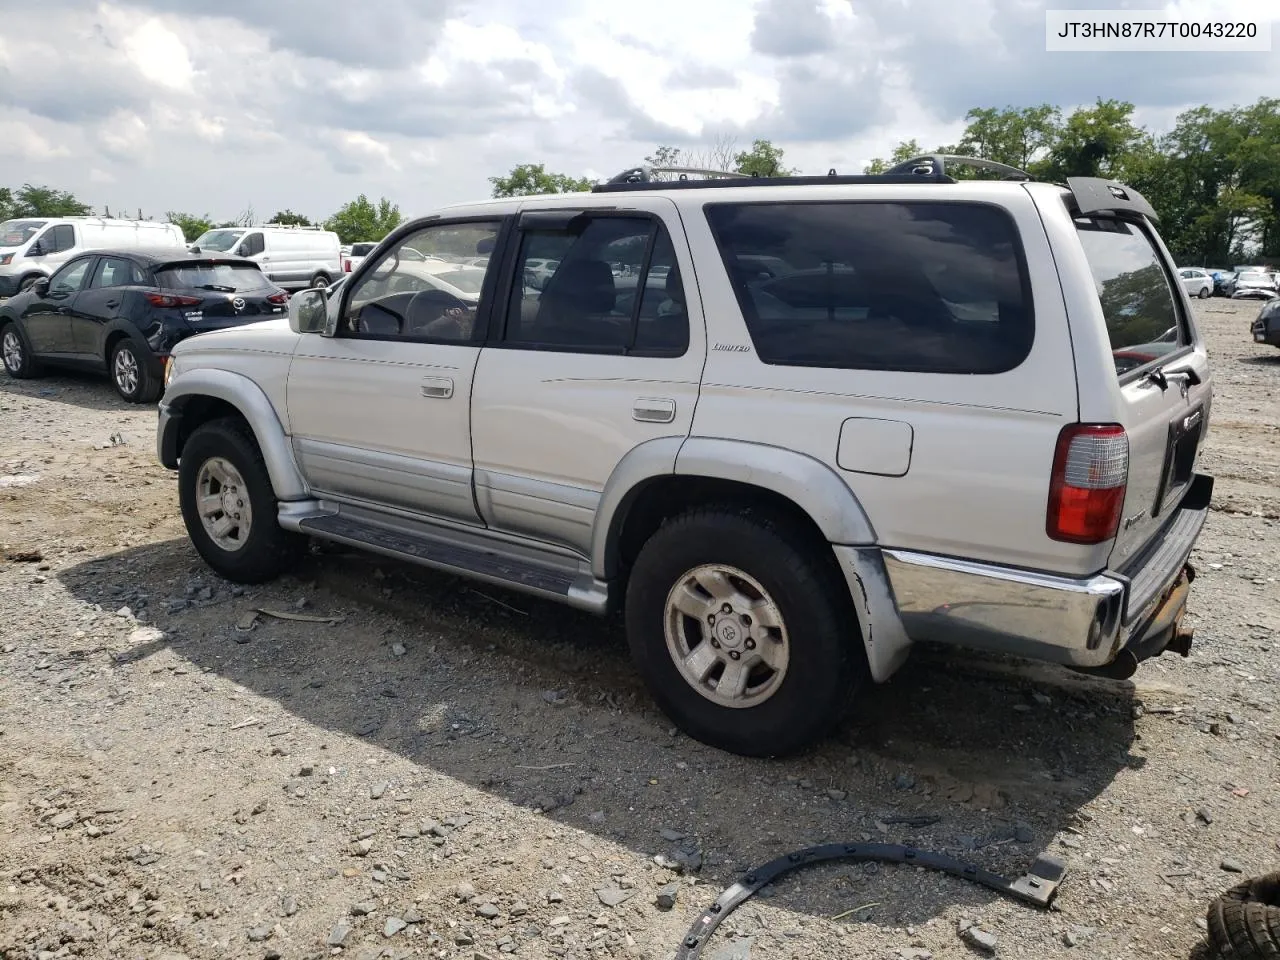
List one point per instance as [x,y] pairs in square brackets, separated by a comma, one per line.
[204,395]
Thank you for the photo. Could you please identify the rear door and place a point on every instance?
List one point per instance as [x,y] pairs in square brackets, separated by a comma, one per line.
[100,303]
[1160,366]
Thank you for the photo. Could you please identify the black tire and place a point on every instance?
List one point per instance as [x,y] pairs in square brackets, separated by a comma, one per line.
[1205,293]
[1244,922]
[827,662]
[131,375]
[320,281]
[26,282]
[12,345]
[267,550]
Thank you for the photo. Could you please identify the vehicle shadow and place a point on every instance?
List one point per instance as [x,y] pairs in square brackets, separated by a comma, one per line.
[78,388]
[538,706]
[1269,360]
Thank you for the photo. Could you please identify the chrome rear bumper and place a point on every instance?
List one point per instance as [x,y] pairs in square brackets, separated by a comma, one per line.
[1083,623]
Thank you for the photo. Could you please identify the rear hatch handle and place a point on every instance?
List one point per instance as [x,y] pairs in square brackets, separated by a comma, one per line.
[1161,377]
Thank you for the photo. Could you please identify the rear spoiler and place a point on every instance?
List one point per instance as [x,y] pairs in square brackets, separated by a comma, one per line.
[1095,195]
[199,259]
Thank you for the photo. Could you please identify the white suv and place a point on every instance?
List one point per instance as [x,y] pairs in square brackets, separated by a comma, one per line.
[789,426]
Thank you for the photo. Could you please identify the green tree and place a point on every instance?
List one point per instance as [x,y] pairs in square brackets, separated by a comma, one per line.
[361,220]
[529,179]
[1094,141]
[289,218]
[762,160]
[1021,138]
[191,225]
[33,201]
[904,151]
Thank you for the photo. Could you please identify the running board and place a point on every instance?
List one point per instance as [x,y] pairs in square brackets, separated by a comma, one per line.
[476,555]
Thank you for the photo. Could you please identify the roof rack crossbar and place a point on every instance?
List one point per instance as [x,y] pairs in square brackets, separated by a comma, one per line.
[936,163]
[645,174]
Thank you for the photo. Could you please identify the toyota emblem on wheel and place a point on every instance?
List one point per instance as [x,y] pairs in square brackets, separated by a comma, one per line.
[238,303]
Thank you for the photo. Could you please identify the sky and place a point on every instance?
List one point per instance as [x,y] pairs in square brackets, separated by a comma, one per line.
[214,109]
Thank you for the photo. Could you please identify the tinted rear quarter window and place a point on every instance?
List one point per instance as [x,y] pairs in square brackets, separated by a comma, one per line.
[860,285]
[1134,291]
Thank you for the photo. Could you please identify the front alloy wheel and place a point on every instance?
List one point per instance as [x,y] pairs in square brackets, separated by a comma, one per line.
[226,512]
[18,363]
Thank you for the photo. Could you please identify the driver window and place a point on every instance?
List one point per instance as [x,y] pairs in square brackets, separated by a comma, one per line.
[252,244]
[426,288]
[69,279]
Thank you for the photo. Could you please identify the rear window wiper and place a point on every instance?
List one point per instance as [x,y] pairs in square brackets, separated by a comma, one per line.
[219,287]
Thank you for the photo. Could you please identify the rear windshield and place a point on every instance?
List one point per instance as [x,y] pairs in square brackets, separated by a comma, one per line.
[1134,290]
[913,286]
[228,277]
[14,233]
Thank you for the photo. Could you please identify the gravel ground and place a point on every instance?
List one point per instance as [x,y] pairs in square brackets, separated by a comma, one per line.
[451,771]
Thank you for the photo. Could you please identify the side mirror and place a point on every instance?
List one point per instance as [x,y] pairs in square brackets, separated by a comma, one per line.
[309,312]
[41,287]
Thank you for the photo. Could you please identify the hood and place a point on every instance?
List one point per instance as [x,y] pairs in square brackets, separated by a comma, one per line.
[269,336]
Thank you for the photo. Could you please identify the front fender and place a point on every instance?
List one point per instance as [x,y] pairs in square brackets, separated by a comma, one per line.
[248,398]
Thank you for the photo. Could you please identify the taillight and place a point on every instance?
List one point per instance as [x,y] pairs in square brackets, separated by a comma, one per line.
[1087,488]
[281,297]
[346,266]
[171,300]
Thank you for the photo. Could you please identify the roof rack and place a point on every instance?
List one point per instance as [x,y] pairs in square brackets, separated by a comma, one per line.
[284,226]
[631,179]
[936,164]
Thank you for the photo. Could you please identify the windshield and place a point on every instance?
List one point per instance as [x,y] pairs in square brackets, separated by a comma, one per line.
[14,233]
[219,241]
[468,280]
[227,277]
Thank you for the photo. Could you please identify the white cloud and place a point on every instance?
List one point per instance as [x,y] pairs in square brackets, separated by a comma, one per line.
[306,103]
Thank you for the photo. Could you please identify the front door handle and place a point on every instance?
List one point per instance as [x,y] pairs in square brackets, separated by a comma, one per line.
[438,388]
[64,310]
[654,410]
[113,304]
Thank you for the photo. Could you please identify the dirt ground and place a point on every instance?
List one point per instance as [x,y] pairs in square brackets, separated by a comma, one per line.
[453,771]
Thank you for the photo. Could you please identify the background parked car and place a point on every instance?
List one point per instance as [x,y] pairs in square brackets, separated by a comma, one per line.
[34,247]
[355,256]
[1255,284]
[1224,282]
[1266,329]
[1197,282]
[293,258]
[122,311]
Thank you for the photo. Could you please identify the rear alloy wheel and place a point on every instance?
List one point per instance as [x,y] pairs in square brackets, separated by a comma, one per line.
[133,380]
[320,281]
[18,362]
[1204,293]
[743,630]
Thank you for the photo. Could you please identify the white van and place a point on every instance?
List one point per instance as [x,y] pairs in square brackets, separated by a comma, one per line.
[292,257]
[34,247]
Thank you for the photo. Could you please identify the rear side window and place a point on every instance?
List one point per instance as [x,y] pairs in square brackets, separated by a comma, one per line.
[1134,291]
[917,287]
[225,277]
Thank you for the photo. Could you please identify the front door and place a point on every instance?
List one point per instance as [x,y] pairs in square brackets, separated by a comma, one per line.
[595,357]
[380,412]
[47,319]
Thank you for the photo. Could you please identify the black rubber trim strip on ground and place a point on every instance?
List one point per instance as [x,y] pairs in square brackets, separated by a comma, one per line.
[1038,886]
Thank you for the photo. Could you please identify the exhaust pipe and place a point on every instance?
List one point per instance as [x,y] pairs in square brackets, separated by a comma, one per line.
[1181,641]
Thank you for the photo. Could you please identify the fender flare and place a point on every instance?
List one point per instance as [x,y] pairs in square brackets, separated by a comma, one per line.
[248,398]
[804,480]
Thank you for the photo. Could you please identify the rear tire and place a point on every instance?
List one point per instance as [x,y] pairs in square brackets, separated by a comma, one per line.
[229,507]
[132,377]
[320,281]
[18,362]
[743,631]
[1205,293]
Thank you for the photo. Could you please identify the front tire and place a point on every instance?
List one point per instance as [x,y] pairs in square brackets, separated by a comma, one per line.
[743,631]
[132,377]
[1205,292]
[320,281]
[229,507]
[18,362]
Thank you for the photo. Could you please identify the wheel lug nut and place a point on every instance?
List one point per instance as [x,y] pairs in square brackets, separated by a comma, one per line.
[750,644]
[716,644]
[711,618]
[726,609]
[734,655]
[746,620]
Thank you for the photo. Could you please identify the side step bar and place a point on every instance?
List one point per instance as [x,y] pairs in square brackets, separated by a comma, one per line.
[474,555]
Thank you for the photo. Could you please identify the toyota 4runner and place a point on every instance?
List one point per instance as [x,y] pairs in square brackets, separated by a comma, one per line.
[787,426]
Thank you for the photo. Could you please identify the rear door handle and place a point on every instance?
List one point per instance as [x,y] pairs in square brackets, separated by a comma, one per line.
[654,410]
[64,310]
[439,388]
